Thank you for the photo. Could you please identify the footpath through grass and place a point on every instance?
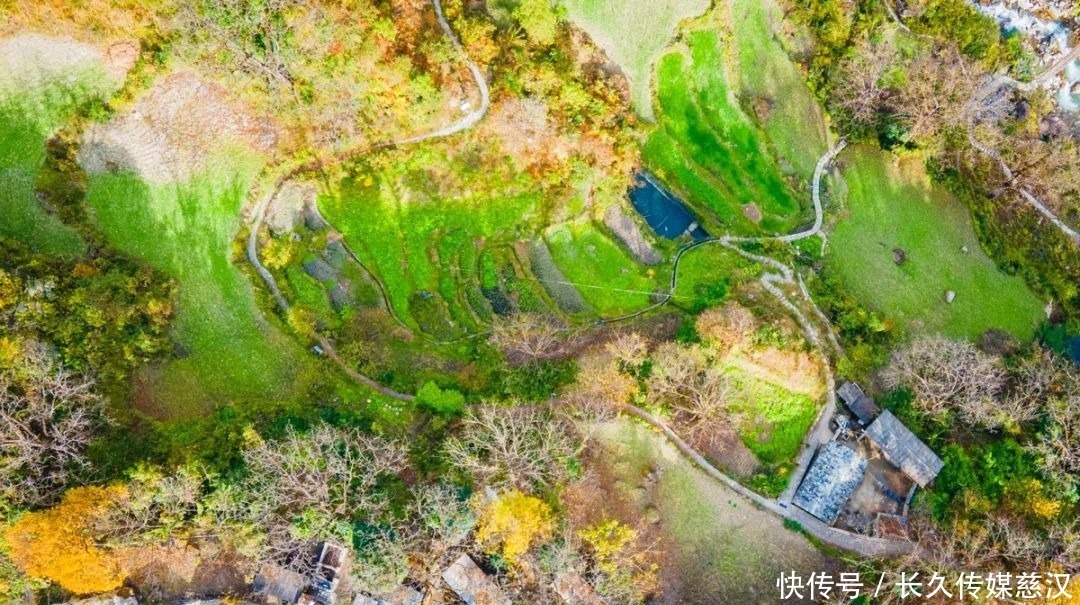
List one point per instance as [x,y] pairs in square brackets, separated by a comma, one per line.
[28,117]
[893,205]
[633,33]
[709,150]
[725,549]
[228,351]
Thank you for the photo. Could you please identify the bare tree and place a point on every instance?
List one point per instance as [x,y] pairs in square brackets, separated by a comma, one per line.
[862,88]
[725,326]
[526,337]
[602,387]
[324,478]
[951,375]
[935,93]
[153,506]
[48,416]
[523,447]
[695,388]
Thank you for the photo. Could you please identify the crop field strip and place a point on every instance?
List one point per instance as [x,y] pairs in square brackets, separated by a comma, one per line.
[708,149]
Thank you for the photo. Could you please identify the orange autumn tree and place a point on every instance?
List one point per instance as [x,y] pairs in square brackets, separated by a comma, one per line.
[56,544]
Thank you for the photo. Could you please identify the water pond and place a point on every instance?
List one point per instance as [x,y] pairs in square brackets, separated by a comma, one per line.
[668,216]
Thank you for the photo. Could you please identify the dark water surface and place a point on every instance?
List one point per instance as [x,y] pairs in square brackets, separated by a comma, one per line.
[666,214]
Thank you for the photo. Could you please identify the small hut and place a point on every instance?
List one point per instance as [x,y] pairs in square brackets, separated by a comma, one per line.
[901,447]
[863,407]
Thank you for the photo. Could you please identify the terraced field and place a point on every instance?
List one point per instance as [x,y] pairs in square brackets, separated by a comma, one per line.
[709,150]
[451,265]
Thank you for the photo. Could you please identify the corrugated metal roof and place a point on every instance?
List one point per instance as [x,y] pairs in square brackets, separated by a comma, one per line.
[904,449]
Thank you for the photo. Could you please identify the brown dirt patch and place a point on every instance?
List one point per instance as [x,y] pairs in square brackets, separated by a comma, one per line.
[752,212]
[169,132]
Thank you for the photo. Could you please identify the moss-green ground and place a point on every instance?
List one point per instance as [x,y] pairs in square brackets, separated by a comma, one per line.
[28,117]
[708,149]
[891,204]
[227,350]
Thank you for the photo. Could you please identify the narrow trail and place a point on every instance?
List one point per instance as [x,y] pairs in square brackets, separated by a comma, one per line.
[863,545]
[259,214]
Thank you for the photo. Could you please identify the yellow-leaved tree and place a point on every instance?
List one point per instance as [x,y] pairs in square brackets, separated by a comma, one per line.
[56,544]
[513,523]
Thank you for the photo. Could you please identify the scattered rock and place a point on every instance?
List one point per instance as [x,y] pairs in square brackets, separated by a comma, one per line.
[341,296]
[574,590]
[899,256]
[319,269]
[950,296]
[963,249]
[313,219]
[471,584]
[752,212]
[288,207]
[628,232]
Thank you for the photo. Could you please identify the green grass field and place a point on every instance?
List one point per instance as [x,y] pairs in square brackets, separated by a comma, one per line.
[28,117]
[610,280]
[775,419]
[230,352]
[894,205]
[725,550]
[793,120]
[633,33]
[708,149]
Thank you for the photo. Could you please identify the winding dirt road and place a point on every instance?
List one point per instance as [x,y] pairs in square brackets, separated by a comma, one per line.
[259,214]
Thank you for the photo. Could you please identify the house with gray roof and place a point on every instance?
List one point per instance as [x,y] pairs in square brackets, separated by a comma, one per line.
[901,447]
[862,406]
[832,477]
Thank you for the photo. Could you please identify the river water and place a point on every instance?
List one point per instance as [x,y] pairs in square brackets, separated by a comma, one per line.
[666,214]
[1013,19]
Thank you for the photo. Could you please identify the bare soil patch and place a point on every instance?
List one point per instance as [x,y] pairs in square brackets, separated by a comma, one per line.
[167,135]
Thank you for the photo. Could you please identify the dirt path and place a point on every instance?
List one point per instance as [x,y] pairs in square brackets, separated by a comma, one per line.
[259,215]
[856,543]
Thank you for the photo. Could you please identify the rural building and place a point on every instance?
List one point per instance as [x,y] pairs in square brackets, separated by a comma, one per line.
[402,595]
[863,407]
[276,584]
[830,481]
[901,447]
[471,584]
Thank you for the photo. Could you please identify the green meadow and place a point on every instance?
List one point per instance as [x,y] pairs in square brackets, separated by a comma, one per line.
[610,280]
[892,204]
[709,150]
[633,33]
[227,351]
[28,117]
[793,121]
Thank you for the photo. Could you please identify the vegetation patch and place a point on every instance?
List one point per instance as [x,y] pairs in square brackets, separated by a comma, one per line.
[227,349]
[708,149]
[28,117]
[888,205]
[775,87]
[775,419]
[633,33]
[607,276]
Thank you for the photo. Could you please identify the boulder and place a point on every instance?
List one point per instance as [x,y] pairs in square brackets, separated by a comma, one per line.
[472,585]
